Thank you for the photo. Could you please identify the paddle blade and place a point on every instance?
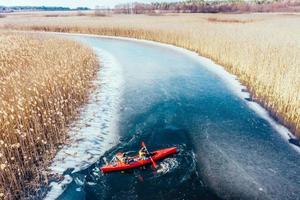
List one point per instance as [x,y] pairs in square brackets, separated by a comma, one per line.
[154,163]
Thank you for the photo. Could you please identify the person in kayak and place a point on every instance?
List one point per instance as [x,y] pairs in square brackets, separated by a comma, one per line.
[143,153]
[123,158]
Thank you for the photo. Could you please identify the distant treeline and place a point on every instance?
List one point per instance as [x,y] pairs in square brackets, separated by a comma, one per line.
[38,8]
[201,6]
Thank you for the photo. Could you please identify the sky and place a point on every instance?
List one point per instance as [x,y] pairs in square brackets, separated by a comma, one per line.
[72,3]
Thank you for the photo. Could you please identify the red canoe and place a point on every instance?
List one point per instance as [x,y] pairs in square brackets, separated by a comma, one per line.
[156,155]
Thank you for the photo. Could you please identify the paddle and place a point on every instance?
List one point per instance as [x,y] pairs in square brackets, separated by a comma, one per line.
[153,163]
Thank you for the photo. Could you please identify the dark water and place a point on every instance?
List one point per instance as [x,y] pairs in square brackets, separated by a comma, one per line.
[226,151]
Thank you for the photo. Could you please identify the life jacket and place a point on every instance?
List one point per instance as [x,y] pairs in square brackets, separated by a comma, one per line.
[142,153]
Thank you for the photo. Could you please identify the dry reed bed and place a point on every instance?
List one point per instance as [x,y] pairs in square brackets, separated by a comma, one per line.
[43,81]
[264,52]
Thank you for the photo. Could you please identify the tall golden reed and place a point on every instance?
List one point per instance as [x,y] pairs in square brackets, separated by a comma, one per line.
[43,81]
[263,50]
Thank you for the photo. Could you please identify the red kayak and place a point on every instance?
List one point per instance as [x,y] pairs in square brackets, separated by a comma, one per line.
[138,162]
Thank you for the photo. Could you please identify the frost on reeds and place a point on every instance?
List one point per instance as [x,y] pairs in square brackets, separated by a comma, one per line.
[263,50]
[43,81]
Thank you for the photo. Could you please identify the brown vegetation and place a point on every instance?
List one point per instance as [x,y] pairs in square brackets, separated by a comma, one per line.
[43,81]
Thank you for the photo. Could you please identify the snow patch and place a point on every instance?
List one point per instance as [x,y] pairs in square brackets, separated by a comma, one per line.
[58,188]
[96,129]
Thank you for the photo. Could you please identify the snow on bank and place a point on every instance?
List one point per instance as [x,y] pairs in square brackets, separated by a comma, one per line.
[96,129]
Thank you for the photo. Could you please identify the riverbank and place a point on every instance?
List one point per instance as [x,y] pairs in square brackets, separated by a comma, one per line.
[44,80]
[245,44]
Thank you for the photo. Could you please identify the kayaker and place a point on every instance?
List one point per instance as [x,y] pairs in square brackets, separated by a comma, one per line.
[123,158]
[143,153]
